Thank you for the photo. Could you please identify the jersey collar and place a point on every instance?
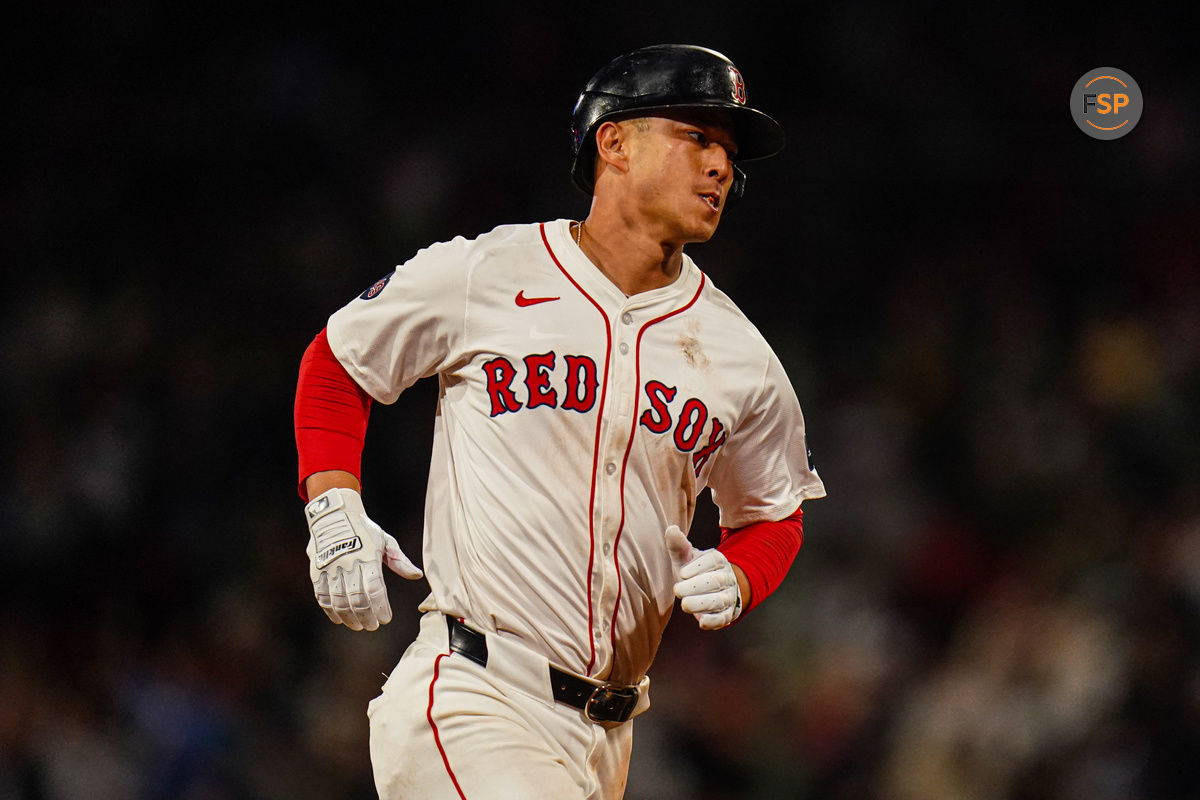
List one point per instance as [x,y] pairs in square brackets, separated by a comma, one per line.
[597,284]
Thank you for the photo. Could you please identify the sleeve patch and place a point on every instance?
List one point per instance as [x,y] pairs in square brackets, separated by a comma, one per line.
[377,287]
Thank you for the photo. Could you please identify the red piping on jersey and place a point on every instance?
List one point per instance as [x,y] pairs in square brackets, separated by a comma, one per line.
[595,445]
[637,363]
[437,663]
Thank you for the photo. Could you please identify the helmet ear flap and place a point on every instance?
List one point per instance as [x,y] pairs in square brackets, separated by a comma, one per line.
[737,188]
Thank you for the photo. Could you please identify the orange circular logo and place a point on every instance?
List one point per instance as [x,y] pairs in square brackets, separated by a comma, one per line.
[1106,103]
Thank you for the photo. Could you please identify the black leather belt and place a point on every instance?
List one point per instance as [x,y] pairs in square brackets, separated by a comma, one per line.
[605,703]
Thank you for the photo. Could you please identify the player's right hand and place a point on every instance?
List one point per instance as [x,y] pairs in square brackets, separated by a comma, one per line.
[346,551]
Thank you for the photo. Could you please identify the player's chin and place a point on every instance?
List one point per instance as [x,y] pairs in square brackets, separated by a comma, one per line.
[695,222]
[705,225]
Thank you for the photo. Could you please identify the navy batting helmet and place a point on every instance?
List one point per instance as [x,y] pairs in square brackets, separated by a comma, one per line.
[669,76]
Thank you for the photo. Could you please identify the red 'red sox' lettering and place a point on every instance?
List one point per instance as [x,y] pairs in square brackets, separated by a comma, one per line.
[716,438]
[580,387]
[580,395]
[691,424]
[500,373]
[537,380]
[581,377]
[657,418]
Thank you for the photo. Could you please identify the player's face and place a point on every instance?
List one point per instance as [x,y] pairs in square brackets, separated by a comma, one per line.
[682,168]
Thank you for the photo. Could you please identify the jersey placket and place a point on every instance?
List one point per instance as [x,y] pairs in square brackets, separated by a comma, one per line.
[609,510]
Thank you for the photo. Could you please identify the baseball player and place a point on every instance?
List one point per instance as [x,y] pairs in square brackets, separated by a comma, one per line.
[593,382]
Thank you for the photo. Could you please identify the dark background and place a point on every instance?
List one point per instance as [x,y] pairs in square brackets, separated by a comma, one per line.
[992,322]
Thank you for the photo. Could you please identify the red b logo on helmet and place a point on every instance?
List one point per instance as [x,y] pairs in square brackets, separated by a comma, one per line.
[739,87]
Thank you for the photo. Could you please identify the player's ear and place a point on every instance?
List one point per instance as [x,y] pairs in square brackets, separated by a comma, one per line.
[612,146]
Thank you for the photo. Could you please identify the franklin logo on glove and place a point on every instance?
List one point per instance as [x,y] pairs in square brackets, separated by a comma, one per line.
[336,549]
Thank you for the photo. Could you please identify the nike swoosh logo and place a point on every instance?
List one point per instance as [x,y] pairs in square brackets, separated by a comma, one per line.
[524,301]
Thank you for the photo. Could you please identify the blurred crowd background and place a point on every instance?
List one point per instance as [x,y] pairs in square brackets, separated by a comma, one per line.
[992,321]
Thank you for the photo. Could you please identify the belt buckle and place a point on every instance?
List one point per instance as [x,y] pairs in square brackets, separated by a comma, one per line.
[606,698]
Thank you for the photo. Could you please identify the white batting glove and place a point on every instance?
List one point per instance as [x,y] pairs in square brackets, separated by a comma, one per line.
[705,583]
[345,553]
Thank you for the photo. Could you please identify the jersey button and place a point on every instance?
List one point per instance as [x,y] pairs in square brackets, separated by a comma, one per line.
[624,348]
[607,548]
[627,318]
[610,468]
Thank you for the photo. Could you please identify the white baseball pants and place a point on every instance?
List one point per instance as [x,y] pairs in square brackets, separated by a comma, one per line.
[445,728]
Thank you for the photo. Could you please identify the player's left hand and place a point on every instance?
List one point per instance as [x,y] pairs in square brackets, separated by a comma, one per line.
[705,582]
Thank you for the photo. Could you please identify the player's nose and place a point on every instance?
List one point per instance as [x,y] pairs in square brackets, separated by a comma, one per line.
[720,166]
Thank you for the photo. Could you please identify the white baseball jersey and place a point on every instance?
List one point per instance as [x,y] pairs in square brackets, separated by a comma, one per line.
[574,425]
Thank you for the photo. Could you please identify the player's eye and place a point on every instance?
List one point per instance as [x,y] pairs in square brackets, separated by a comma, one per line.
[702,139]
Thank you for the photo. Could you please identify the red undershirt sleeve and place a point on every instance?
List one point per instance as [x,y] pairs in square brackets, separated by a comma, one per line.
[765,551]
[330,415]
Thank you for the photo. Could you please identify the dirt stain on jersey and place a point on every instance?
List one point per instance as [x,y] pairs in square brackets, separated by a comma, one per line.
[689,345]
